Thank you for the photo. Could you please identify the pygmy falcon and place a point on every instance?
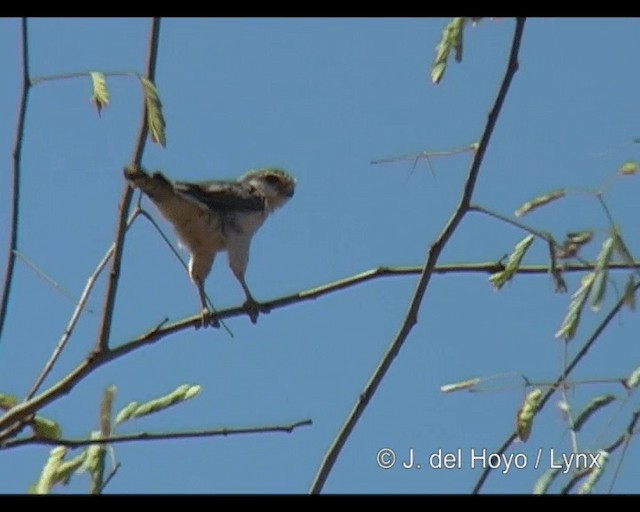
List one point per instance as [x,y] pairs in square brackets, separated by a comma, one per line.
[216,216]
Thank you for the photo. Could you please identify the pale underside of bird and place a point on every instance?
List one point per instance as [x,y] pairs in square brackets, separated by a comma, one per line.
[217,216]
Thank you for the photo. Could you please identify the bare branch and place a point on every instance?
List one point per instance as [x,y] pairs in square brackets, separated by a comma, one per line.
[434,252]
[157,436]
[94,361]
[15,177]
[102,343]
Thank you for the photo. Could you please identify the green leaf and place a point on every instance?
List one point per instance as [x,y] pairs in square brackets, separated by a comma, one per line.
[602,273]
[63,472]
[498,279]
[69,467]
[573,243]
[126,412]
[621,248]
[437,71]
[570,323]
[539,201]
[526,413]
[155,119]
[596,403]
[595,474]
[629,296]
[180,394]
[633,380]
[47,477]
[459,386]
[546,479]
[105,410]
[8,401]
[100,94]
[451,39]
[628,168]
[457,39]
[580,237]
[93,463]
[46,428]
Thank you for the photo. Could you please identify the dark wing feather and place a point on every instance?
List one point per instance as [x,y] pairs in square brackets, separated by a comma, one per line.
[222,196]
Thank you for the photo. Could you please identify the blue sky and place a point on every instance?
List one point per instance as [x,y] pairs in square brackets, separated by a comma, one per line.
[322,98]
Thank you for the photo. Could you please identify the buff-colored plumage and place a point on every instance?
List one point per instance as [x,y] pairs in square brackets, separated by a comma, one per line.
[216,216]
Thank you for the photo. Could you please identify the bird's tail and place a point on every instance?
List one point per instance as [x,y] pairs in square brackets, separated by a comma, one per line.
[156,186]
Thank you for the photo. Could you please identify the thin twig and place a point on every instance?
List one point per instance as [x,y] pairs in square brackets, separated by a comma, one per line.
[540,234]
[424,154]
[559,381]
[109,478]
[433,254]
[102,343]
[574,480]
[563,391]
[157,436]
[79,74]
[165,238]
[65,293]
[15,178]
[76,314]
[623,441]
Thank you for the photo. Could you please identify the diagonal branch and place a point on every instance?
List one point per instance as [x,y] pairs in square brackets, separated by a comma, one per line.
[102,343]
[15,177]
[157,436]
[76,314]
[432,257]
[560,380]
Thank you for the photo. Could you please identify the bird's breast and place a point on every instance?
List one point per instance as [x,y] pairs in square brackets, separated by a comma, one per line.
[244,223]
[202,232]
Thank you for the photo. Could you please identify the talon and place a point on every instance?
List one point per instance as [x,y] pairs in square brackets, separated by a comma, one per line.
[207,318]
[253,309]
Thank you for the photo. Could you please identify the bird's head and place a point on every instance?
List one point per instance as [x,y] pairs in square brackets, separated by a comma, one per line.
[276,185]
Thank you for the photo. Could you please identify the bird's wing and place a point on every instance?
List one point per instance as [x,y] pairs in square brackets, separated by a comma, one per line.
[222,196]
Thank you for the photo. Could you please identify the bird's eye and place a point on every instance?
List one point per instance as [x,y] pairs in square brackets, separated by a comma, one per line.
[272,179]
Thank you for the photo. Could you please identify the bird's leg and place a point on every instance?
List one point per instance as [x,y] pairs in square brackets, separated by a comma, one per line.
[238,249]
[199,267]
[251,305]
[206,315]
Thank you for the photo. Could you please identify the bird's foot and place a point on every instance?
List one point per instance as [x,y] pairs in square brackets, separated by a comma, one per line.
[254,308]
[208,318]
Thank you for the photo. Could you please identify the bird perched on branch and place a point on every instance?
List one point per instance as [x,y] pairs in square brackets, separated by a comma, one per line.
[214,216]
